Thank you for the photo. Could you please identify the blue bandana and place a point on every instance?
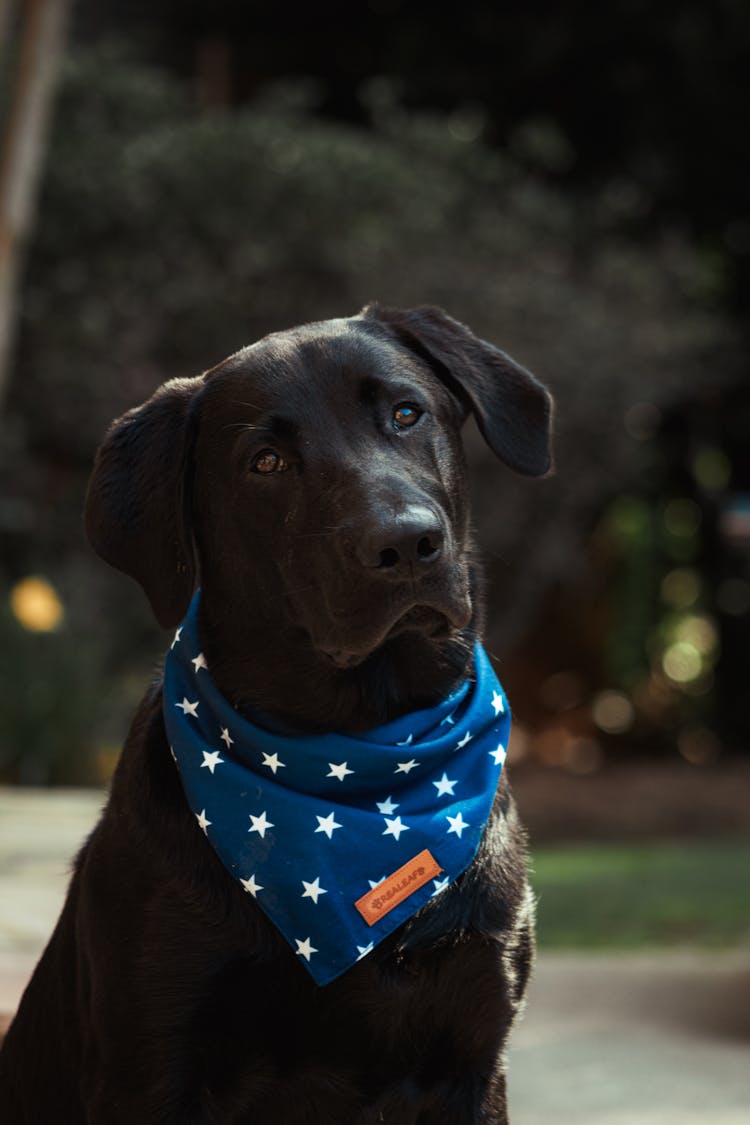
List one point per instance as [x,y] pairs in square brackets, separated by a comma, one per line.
[339,838]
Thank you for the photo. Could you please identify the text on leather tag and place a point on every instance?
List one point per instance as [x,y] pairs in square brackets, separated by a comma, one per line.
[381,899]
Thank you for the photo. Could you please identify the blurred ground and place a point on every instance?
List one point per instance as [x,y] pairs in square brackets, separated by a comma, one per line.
[637,1039]
[40,832]
[608,1039]
[634,799]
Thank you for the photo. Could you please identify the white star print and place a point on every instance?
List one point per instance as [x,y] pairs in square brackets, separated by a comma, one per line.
[407,741]
[376,882]
[202,820]
[199,662]
[499,754]
[457,824]
[404,767]
[440,885]
[465,740]
[497,703]
[304,948]
[448,719]
[176,637]
[188,708]
[327,824]
[340,771]
[226,737]
[251,886]
[211,760]
[444,786]
[363,950]
[313,890]
[395,827]
[273,762]
[386,807]
[260,825]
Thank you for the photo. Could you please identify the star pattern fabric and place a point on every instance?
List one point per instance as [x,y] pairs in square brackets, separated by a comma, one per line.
[307,825]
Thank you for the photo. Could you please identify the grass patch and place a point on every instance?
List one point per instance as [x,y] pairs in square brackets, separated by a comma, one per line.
[693,893]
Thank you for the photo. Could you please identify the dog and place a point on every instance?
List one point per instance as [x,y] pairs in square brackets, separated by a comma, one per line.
[313,486]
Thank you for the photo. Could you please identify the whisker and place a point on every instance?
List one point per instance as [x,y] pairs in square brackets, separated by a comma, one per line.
[239,402]
[313,534]
[243,425]
[298,590]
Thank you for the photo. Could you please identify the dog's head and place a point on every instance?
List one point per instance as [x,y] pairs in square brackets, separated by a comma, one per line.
[314,484]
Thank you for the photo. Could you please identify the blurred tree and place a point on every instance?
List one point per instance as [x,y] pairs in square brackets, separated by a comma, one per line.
[6,16]
[22,149]
[644,103]
[167,240]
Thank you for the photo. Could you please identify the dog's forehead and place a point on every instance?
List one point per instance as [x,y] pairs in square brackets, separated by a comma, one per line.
[315,362]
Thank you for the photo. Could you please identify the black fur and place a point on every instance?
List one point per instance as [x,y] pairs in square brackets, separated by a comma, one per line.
[164,995]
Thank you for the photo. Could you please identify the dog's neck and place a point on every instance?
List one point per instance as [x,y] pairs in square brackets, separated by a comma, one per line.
[284,678]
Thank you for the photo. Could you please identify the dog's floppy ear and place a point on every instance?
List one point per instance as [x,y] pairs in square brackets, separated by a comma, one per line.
[513,410]
[137,505]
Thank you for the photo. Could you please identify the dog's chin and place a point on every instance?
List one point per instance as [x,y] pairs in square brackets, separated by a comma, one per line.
[422,619]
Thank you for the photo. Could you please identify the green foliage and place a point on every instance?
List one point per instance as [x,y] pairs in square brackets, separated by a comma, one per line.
[635,589]
[634,896]
[52,699]
[167,240]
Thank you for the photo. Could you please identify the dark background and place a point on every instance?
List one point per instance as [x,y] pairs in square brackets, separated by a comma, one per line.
[571,180]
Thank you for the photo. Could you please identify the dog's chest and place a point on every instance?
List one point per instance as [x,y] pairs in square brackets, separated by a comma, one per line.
[428,1016]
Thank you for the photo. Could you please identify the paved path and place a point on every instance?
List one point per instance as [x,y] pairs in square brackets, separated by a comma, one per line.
[40,832]
[634,1040]
[607,1040]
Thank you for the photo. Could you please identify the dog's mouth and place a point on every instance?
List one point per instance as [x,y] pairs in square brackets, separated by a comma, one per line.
[424,619]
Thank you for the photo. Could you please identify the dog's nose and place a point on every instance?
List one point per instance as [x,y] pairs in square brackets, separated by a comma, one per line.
[393,543]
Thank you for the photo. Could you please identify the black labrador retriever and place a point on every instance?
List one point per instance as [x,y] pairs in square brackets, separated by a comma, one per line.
[313,485]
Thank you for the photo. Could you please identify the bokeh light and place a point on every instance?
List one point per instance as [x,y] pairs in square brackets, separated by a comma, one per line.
[682,518]
[699,746]
[36,605]
[682,662]
[699,631]
[681,587]
[612,712]
[711,468]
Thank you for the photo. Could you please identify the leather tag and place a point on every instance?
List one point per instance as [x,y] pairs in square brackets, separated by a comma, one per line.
[381,899]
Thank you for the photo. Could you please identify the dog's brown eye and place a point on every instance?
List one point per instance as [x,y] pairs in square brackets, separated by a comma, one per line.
[269,461]
[405,415]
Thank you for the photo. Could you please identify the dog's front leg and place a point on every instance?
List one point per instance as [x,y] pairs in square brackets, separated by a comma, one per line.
[469,1102]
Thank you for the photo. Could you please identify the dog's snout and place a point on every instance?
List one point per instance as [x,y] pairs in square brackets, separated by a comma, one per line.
[393,543]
